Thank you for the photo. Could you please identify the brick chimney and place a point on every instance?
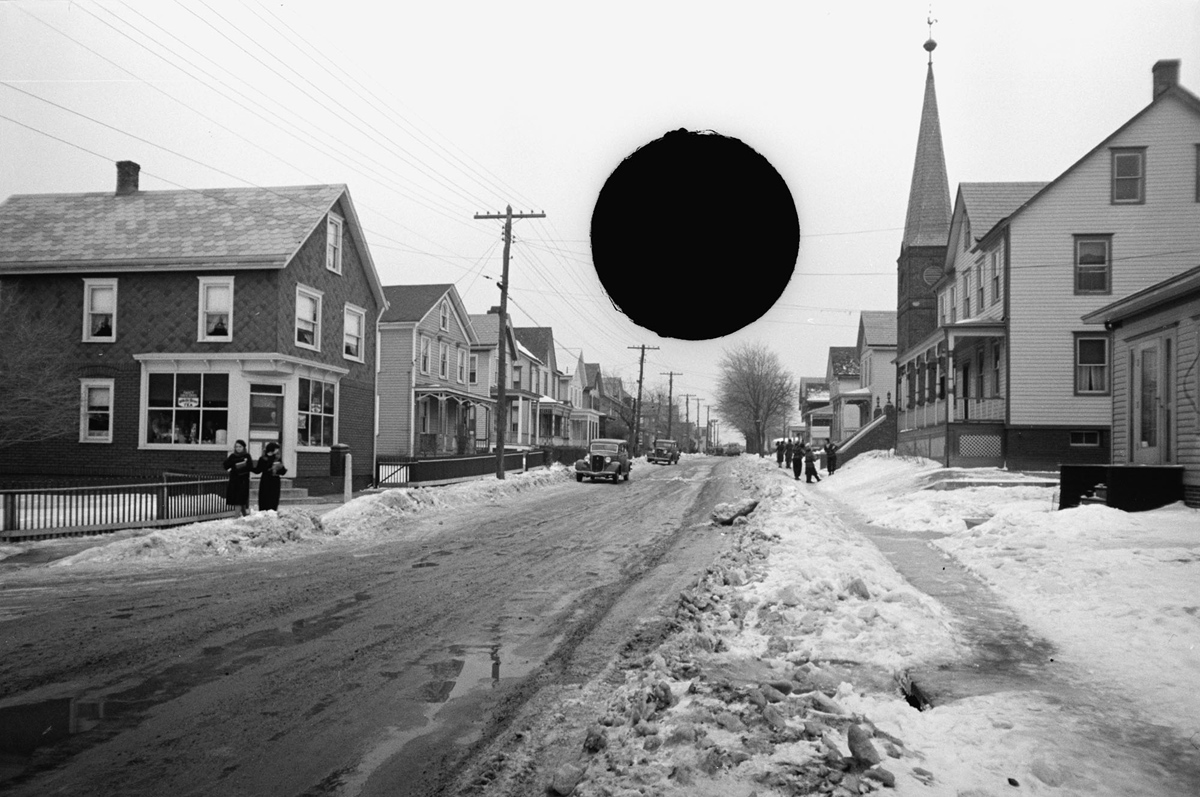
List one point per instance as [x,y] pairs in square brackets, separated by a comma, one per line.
[127,177]
[1166,75]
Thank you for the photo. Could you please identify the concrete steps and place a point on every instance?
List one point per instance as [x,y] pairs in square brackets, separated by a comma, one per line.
[288,495]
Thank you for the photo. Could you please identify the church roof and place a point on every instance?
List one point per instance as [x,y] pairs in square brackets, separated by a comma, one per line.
[927,222]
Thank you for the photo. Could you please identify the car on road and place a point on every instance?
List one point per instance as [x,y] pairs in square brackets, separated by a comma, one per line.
[733,449]
[664,452]
[607,458]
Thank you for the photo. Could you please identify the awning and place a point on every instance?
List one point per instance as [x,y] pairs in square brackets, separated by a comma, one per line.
[447,393]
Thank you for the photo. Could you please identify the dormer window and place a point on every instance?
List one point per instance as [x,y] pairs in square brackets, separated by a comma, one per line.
[333,244]
[1129,176]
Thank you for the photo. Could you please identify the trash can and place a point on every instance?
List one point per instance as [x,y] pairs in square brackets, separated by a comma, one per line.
[337,459]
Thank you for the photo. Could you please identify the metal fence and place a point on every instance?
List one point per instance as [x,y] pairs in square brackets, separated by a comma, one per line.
[32,513]
[399,471]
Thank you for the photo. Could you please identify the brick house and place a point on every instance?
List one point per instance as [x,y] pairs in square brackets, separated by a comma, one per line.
[192,318]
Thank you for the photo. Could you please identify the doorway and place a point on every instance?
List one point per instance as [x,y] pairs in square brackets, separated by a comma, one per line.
[1151,394]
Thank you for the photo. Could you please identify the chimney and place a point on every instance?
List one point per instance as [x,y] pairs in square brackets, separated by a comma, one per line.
[1166,75]
[494,310]
[127,177]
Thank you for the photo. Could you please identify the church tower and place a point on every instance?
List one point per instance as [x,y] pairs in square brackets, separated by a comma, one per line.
[926,226]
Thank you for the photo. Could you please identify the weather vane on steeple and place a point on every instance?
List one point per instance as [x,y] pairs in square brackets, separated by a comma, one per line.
[930,44]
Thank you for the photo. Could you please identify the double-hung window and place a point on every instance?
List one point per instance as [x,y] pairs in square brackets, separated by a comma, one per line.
[354,324]
[462,365]
[308,318]
[316,418]
[1091,364]
[444,361]
[1128,176]
[967,294]
[1093,264]
[424,354]
[216,310]
[979,291]
[96,410]
[333,244]
[995,277]
[473,374]
[99,310]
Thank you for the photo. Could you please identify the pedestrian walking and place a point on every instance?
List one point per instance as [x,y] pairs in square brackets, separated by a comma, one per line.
[238,465]
[830,457]
[779,452]
[789,451]
[270,465]
[797,463]
[810,466]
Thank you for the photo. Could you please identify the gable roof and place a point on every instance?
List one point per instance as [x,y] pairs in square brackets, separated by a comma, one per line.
[411,303]
[215,227]
[877,328]
[1174,92]
[843,360]
[487,327]
[590,373]
[539,340]
[988,204]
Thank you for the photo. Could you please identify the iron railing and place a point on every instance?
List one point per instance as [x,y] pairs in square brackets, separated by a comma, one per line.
[35,512]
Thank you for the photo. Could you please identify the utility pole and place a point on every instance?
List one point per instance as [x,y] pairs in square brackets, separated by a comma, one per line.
[670,397]
[687,416]
[502,338]
[637,408]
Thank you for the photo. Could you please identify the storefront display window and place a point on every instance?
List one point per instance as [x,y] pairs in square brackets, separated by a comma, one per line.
[316,413]
[187,408]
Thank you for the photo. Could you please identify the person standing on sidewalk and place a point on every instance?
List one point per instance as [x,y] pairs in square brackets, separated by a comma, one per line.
[797,463]
[779,452]
[789,451]
[810,466]
[270,465]
[830,457]
[238,465]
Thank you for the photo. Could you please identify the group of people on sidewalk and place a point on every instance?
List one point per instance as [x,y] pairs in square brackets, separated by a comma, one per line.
[239,464]
[797,455]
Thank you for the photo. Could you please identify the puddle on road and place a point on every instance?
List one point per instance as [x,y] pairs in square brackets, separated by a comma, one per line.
[32,731]
[453,712]
[1008,657]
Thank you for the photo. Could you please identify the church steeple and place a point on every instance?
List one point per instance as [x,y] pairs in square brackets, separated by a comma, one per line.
[928,219]
[926,225]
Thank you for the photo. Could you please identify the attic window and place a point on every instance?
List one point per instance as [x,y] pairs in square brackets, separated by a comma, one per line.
[333,244]
[444,321]
[1128,176]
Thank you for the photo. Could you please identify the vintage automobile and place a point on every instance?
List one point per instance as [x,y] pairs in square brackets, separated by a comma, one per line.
[608,458]
[664,452]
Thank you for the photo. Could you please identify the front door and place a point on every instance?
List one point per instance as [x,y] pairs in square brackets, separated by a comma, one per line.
[266,416]
[1151,401]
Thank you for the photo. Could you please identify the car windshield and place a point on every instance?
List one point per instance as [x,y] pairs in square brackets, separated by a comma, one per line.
[604,448]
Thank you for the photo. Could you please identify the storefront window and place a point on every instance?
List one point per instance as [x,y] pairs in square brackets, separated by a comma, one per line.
[316,413]
[187,409]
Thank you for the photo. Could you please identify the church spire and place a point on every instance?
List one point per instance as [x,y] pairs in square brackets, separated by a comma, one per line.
[928,220]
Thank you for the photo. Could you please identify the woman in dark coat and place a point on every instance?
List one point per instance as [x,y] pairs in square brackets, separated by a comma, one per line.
[798,460]
[238,465]
[779,453]
[830,457]
[270,465]
[810,466]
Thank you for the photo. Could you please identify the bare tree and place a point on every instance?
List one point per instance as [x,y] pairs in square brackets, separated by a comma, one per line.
[754,393]
[40,399]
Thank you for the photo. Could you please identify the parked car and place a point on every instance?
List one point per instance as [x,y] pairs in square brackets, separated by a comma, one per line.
[733,449]
[664,452]
[607,458]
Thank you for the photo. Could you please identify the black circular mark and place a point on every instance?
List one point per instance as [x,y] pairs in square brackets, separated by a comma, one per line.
[695,235]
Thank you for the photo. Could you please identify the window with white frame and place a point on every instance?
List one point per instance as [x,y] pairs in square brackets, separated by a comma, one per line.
[308,317]
[215,316]
[333,244]
[425,343]
[1093,264]
[444,360]
[462,365]
[99,310]
[96,410]
[316,417]
[942,308]
[473,373]
[979,284]
[1129,176]
[354,324]
[187,408]
[444,317]
[995,277]
[997,350]
[953,305]
[516,376]
[1091,364]
[967,293]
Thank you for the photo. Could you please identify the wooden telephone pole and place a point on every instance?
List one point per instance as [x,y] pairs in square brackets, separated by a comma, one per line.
[670,397]
[502,338]
[637,407]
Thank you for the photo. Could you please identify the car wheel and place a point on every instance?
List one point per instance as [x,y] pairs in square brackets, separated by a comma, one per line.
[626,476]
[578,477]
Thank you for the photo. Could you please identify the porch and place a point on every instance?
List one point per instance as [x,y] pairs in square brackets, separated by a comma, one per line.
[451,422]
[553,422]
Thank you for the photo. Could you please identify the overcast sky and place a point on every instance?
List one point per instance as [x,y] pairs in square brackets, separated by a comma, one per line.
[432,112]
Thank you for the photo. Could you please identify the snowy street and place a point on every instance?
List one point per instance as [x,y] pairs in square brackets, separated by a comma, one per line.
[470,640]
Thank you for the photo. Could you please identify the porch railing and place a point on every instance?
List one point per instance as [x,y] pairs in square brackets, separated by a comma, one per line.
[56,511]
[970,409]
[919,416]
